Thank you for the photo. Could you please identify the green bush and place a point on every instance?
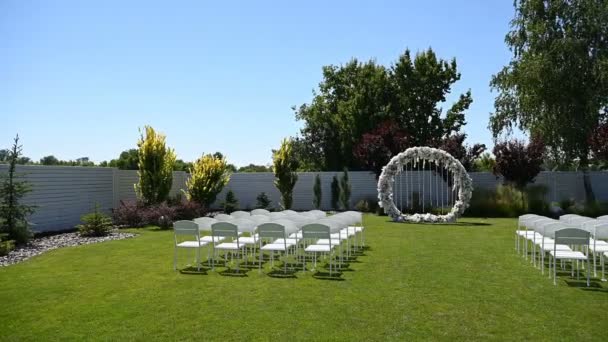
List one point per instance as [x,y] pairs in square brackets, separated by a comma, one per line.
[317,192]
[368,205]
[95,224]
[335,193]
[507,201]
[230,204]
[345,191]
[6,245]
[155,167]
[262,201]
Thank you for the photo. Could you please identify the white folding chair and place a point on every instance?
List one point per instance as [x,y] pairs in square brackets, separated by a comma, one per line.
[276,232]
[227,230]
[573,237]
[223,218]
[187,228]
[315,232]
[597,243]
[246,225]
[603,218]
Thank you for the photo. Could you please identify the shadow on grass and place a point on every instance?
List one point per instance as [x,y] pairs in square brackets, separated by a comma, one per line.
[282,274]
[229,272]
[335,276]
[192,270]
[582,284]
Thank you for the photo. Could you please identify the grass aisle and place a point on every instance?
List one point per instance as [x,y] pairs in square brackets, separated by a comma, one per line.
[459,281]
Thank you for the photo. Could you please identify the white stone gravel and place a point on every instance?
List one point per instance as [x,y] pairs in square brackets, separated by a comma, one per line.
[38,246]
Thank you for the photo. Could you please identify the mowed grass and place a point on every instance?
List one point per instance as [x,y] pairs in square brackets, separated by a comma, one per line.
[429,282]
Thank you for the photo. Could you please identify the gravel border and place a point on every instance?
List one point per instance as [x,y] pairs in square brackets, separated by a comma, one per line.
[40,245]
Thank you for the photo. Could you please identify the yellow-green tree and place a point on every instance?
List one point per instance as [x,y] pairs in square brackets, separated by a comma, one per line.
[208,176]
[285,165]
[155,167]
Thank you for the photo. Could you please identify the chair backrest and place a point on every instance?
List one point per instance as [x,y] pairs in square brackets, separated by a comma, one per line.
[548,228]
[289,212]
[600,230]
[245,225]
[277,215]
[225,229]
[315,231]
[259,219]
[603,218]
[572,236]
[318,213]
[334,224]
[223,218]
[204,223]
[185,227]
[271,231]
[263,212]
[289,225]
[568,217]
[240,214]
[538,224]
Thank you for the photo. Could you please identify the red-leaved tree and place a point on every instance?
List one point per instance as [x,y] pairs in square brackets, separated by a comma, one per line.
[377,147]
[454,145]
[517,162]
[599,142]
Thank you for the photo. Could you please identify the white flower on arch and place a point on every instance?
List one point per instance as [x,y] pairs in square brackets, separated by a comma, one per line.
[462,183]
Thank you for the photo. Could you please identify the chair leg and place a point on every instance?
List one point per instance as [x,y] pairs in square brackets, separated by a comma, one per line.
[554,271]
[198,259]
[594,266]
[602,262]
[175,258]
[588,270]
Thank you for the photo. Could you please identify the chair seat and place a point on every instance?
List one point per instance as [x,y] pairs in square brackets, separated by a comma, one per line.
[275,247]
[191,244]
[229,246]
[597,242]
[339,236]
[599,248]
[357,229]
[548,247]
[209,238]
[573,255]
[349,232]
[296,235]
[317,248]
[290,241]
[545,241]
[248,240]
[334,242]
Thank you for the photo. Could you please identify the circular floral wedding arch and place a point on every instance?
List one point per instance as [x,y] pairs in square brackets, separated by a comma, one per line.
[462,183]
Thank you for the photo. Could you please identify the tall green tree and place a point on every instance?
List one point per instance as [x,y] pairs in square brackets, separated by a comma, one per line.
[284,167]
[345,191]
[355,98]
[155,172]
[127,160]
[13,212]
[556,84]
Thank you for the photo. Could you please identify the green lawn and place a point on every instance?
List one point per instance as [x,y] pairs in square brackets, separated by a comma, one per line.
[414,282]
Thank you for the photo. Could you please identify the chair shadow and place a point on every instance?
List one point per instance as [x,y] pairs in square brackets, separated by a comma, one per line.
[192,270]
[582,284]
[229,272]
[335,276]
[282,274]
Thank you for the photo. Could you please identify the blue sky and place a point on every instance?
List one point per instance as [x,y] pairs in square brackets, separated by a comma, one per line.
[78,78]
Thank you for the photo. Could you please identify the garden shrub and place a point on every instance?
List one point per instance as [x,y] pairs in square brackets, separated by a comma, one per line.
[262,201]
[285,165]
[317,192]
[335,193]
[188,210]
[155,167]
[161,215]
[208,176]
[368,205]
[345,191]
[230,204]
[95,223]
[13,213]
[6,245]
[129,214]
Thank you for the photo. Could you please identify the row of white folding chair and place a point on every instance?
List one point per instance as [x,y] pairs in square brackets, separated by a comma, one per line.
[557,239]
[528,234]
[598,230]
